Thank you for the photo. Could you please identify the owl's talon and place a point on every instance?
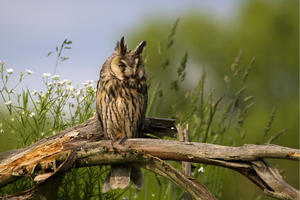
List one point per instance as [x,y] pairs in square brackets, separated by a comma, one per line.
[113,147]
[123,140]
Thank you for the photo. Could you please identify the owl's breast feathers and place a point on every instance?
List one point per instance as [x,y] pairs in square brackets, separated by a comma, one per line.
[121,107]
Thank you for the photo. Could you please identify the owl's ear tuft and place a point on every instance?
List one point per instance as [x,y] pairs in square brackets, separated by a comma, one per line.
[140,48]
[121,47]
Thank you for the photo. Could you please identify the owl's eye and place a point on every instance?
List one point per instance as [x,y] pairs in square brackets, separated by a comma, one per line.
[122,65]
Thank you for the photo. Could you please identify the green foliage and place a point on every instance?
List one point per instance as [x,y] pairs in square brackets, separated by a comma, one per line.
[180,72]
[66,44]
[210,120]
[33,115]
[36,114]
[232,101]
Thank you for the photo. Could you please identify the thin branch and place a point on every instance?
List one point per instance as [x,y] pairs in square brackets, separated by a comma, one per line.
[186,166]
[189,184]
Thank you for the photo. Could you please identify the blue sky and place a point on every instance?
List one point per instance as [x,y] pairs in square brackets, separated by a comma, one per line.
[30,29]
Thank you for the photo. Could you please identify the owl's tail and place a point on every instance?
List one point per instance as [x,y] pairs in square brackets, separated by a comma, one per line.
[120,176]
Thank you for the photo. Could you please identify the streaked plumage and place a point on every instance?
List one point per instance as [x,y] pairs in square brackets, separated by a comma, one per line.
[121,105]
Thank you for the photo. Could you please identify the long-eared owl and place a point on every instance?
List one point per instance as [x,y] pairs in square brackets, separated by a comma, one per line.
[121,105]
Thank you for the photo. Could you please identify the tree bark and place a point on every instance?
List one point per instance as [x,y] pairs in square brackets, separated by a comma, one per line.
[83,145]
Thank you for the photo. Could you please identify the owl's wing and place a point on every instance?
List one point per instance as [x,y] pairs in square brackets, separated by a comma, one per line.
[98,107]
[143,109]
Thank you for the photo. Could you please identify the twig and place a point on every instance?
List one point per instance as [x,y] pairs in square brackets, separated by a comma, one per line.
[186,166]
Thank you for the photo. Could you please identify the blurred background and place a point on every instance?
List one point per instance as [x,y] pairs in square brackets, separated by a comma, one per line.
[213,33]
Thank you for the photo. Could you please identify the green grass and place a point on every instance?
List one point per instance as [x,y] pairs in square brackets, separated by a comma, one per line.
[30,116]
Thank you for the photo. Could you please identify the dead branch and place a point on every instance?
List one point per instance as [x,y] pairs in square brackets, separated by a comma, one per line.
[186,166]
[83,146]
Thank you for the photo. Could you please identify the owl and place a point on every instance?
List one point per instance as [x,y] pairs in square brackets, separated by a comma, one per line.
[121,106]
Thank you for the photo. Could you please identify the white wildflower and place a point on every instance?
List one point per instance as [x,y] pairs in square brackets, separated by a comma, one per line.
[71,88]
[42,133]
[49,84]
[201,170]
[10,70]
[12,119]
[28,71]
[65,81]
[153,195]
[8,103]
[34,92]
[55,77]
[90,81]
[32,114]
[78,92]
[12,131]
[136,195]
[46,75]
[1,130]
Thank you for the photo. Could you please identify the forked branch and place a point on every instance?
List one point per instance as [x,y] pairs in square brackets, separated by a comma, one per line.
[83,146]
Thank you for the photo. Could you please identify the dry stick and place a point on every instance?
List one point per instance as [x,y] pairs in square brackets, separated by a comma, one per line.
[186,166]
[194,188]
[247,159]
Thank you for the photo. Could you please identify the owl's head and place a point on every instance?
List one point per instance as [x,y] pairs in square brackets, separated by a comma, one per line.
[127,65]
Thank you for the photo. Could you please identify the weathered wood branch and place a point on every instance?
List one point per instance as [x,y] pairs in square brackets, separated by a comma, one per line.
[189,184]
[84,144]
[186,166]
